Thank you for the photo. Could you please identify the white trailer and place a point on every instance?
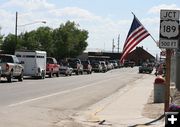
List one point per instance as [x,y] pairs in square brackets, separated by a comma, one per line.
[34,63]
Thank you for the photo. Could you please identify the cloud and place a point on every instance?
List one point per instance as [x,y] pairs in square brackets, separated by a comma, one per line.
[156,9]
[101,29]
[28,4]
[74,12]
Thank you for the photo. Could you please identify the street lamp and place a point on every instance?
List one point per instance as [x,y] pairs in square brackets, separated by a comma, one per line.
[32,23]
[16,26]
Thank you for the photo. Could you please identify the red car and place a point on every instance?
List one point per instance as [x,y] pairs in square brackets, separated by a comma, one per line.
[52,67]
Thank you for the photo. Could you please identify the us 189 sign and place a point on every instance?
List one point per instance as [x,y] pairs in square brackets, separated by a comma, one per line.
[169,29]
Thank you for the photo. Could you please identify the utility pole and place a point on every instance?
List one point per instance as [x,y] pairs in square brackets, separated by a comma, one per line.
[177,79]
[113,45]
[118,42]
[167,89]
[16,30]
[169,31]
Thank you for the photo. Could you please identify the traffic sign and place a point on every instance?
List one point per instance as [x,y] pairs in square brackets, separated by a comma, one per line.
[169,29]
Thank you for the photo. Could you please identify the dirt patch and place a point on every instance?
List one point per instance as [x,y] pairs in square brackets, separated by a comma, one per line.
[153,110]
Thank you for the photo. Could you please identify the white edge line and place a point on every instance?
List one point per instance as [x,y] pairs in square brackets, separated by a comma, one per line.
[55,94]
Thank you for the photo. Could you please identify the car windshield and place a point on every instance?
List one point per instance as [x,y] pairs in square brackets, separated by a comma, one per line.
[85,62]
[5,59]
[50,61]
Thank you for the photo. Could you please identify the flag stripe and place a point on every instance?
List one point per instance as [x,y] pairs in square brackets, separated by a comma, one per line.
[141,33]
[136,34]
[133,45]
[132,35]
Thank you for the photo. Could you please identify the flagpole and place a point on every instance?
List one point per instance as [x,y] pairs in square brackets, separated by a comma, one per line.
[144,27]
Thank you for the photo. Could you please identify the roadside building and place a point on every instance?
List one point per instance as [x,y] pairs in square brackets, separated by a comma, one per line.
[139,55]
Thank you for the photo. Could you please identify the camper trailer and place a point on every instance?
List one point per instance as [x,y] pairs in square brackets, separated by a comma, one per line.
[34,63]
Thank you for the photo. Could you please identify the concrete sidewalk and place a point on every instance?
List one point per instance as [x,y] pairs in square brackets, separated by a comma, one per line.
[124,108]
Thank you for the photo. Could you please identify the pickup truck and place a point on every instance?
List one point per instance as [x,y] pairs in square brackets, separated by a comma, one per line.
[146,68]
[129,63]
[52,67]
[11,67]
[76,65]
[87,67]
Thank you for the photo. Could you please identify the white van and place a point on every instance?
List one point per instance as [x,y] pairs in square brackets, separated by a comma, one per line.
[34,63]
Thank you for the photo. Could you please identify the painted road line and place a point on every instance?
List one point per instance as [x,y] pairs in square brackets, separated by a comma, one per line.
[58,93]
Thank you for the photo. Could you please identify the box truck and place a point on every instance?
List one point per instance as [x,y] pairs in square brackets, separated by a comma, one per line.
[34,63]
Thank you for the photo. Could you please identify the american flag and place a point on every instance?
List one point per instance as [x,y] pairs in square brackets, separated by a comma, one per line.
[135,35]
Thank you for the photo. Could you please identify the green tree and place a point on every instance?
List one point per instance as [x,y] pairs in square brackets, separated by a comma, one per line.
[8,45]
[66,41]
[45,40]
[69,40]
[40,39]
[1,39]
[29,41]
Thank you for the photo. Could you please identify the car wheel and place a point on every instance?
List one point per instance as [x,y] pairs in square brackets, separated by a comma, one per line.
[50,74]
[77,72]
[43,74]
[81,72]
[57,74]
[9,77]
[20,78]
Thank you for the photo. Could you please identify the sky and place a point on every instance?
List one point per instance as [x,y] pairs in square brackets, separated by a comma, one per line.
[103,19]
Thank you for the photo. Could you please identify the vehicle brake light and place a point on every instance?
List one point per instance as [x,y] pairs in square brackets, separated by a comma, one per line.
[7,67]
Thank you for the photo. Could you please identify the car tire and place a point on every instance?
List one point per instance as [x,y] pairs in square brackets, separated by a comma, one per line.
[77,72]
[9,77]
[20,77]
[81,72]
[50,74]
[43,74]
[57,74]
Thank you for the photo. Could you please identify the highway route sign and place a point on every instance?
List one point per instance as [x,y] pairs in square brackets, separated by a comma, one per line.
[169,29]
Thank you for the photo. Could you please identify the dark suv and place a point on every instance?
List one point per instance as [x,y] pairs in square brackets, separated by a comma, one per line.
[129,63]
[146,68]
[87,66]
[76,65]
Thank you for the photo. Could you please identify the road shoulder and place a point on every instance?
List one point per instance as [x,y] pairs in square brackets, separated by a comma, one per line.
[131,105]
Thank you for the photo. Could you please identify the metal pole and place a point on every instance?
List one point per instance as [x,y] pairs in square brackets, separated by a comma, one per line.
[16,30]
[118,42]
[167,87]
[177,79]
[113,45]
[177,59]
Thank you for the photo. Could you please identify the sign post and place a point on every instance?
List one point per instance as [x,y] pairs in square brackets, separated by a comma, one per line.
[169,31]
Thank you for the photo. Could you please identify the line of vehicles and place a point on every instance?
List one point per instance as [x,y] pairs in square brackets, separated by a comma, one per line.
[36,64]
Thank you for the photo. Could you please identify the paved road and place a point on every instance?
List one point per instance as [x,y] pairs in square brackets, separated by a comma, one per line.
[29,89]
[55,98]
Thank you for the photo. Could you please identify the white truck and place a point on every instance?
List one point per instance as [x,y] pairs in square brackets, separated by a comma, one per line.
[34,63]
[11,67]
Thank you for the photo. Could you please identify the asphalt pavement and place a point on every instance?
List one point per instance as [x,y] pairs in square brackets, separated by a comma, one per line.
[124,108]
